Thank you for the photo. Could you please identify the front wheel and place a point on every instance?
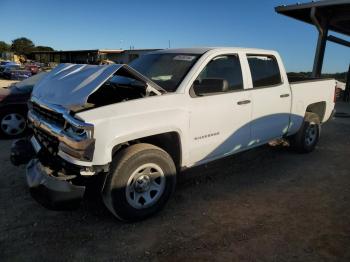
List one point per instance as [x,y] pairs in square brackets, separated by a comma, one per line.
[307,137]
[141,180]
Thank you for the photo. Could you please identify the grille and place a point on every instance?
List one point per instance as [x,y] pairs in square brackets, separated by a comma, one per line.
[50,116]
[50,143]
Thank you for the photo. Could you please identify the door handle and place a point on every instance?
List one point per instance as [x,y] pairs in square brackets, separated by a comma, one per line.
[284,95]
[243,102]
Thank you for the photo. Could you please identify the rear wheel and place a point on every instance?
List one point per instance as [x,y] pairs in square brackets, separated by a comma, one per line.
[141,180]
[307,137]
[12,123]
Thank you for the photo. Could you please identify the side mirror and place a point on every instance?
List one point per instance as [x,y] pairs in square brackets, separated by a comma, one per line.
[209,86]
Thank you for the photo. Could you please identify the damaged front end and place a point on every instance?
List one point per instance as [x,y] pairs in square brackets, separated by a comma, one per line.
[60,153]
[57,137]
[54,183]
[59,132]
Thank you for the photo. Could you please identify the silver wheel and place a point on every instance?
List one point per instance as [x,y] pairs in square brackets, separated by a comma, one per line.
[13,124]
[311,134]
[145,186]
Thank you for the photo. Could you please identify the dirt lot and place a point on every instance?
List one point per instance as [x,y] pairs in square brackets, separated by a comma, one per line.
[268,204]
[6,83]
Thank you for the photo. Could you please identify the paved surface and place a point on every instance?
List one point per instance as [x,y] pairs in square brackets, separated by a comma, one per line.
[268,204]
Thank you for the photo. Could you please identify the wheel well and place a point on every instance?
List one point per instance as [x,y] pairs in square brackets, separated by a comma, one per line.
[318,108]
[169,142]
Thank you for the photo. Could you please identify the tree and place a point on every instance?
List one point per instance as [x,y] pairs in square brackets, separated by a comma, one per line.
[43,48]
[4,47]
[22,46]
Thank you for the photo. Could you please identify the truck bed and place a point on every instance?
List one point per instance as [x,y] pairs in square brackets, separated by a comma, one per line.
[306,92]
[297,79]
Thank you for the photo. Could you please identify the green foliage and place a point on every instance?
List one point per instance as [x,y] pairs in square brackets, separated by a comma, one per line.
[338,76]
[43,48]
[22,46]
[4,47]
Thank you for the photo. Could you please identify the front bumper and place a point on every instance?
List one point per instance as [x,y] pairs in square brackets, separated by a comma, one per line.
[53,192]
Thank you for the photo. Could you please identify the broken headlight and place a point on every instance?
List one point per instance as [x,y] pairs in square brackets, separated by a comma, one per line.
[78,133]
[80,144]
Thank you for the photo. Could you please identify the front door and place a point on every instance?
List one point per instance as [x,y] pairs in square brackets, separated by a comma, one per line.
[220,110]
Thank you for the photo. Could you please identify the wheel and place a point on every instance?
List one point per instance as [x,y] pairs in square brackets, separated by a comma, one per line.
[12,123]
[308,135]
[141,180]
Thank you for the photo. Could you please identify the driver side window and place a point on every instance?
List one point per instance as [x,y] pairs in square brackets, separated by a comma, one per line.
[222,74]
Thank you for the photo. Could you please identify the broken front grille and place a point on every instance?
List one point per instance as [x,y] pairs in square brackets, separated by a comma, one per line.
[49,115]
[50,143]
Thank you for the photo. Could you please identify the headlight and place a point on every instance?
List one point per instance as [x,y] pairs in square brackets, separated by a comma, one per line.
[78,133]
[81,144]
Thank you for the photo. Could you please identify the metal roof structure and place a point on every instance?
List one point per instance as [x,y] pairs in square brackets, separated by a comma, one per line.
[327,15]
[336,12]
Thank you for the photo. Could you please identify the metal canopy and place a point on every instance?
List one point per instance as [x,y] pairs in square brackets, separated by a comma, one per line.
[326,15]
[334,12]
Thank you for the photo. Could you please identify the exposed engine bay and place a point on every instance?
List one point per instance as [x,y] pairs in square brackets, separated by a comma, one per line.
[121,87]
[80,87]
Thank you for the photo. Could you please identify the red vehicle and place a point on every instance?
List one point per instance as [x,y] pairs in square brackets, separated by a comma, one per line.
[34,69]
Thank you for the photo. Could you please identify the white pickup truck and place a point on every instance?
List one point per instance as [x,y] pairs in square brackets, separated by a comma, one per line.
[137,126]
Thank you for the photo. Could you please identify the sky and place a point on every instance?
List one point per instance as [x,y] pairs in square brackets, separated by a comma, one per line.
[108,24]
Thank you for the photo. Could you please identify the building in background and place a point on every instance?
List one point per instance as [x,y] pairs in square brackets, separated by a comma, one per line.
[11,56]
[7,56]
[94,56]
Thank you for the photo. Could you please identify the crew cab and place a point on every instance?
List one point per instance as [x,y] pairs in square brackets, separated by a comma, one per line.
[137,126]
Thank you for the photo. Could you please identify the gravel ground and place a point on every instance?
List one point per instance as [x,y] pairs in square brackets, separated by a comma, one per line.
[268,204]
[6,83]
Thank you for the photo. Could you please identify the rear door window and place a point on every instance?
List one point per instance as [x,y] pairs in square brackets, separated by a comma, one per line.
[264,69]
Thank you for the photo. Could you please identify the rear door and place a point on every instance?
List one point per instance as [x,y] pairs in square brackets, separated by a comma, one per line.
[219,120]
[271,98]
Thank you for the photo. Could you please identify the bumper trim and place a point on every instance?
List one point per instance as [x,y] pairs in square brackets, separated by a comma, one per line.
[52,192]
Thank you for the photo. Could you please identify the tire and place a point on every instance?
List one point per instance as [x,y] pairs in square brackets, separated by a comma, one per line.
[141,180]
[13,123]
[308,135]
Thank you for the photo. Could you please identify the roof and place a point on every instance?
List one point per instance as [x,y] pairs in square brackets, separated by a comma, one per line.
[194,50]
[109,51]
[202,50]
[337,11]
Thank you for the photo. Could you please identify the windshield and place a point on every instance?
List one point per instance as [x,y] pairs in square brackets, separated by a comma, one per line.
[165,69]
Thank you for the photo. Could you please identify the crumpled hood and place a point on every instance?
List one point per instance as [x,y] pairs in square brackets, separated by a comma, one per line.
[69,85]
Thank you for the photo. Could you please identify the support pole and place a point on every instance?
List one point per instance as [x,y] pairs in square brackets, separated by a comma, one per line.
[319,55]
[346,96]
[321,43]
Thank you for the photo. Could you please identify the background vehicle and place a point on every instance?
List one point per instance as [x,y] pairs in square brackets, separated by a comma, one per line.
[2,63]
[13,106]
[172,109]
[16,73]
[33,68]
[8,66]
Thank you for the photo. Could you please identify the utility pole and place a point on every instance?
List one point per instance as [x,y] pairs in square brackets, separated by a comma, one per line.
[169,43]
